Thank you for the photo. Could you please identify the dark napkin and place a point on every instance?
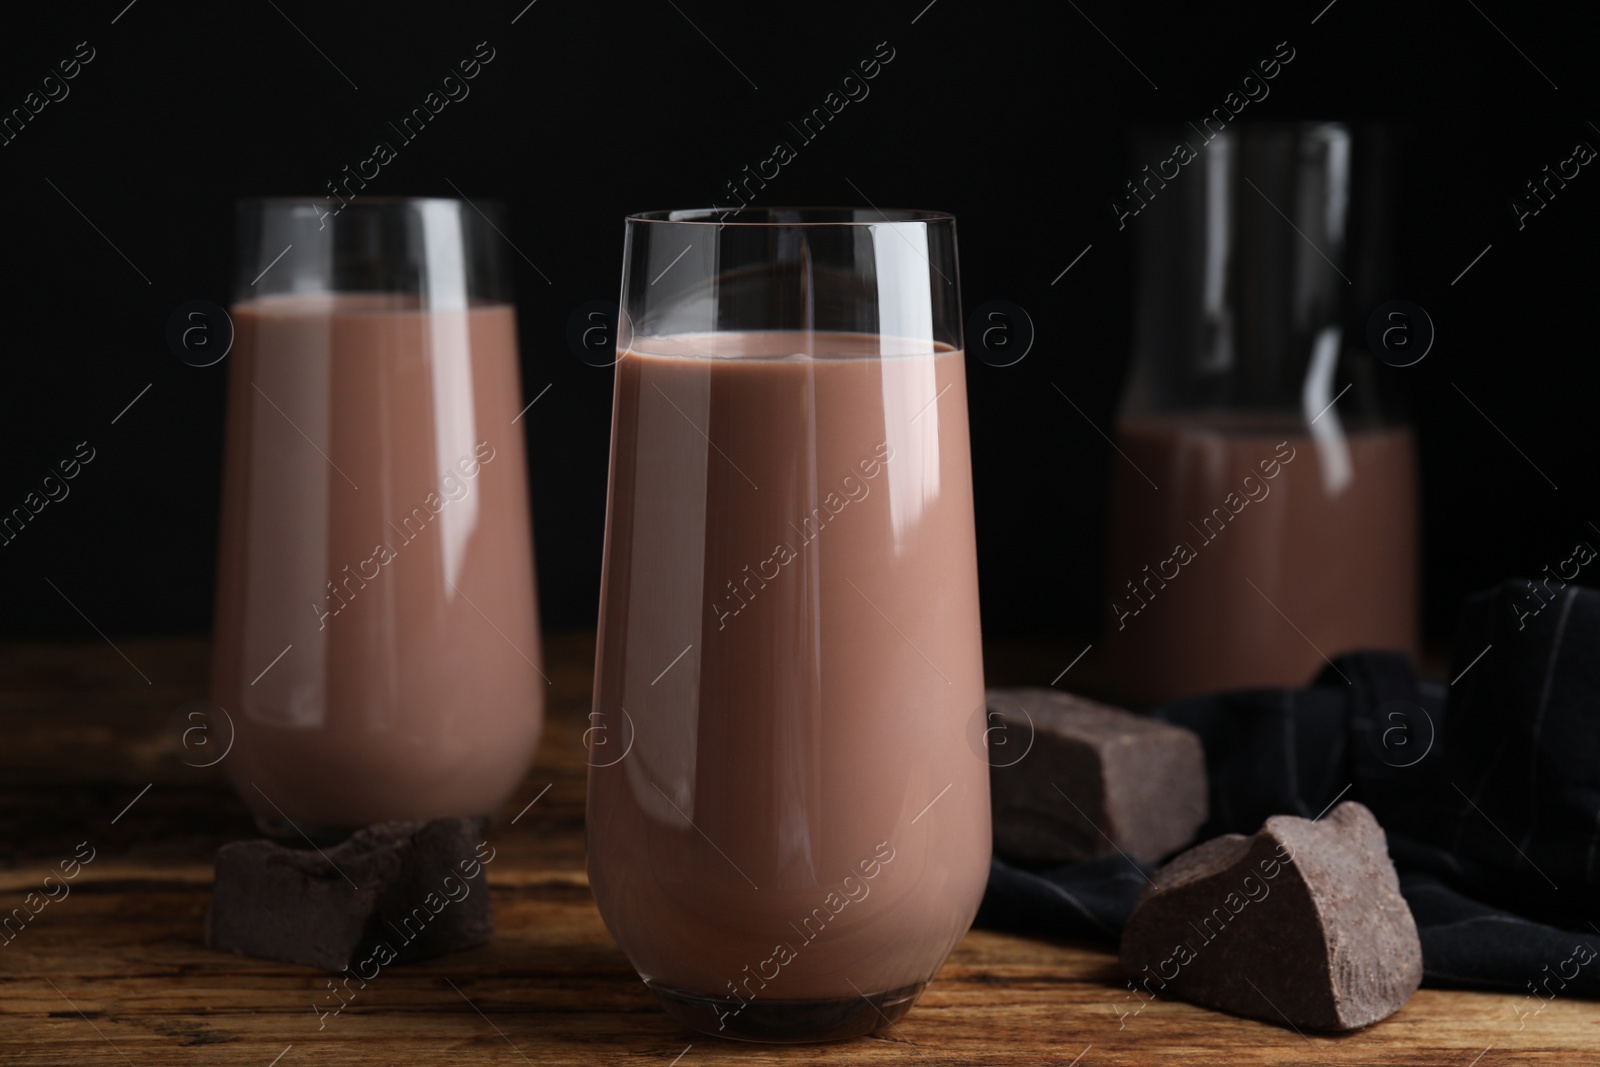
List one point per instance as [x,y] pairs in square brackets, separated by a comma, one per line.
[1488,790]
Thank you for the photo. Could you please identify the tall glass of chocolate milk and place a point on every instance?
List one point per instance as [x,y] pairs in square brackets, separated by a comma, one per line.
[1265,499]
[377,642]
[788,831]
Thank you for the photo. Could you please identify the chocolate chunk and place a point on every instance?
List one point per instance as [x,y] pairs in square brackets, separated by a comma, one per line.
[1096,779]
[1303,923]
[417,888]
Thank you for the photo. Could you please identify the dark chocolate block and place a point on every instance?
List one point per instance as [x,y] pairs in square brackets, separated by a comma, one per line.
[417,888]
[1302,923]
[1096,779]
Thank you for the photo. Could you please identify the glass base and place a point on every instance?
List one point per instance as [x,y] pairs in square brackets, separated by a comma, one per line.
[298,833]
[788,1021]
[292,833]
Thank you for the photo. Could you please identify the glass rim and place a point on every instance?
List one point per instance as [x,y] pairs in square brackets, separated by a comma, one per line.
[1262,124]
[384,200]
[709,216]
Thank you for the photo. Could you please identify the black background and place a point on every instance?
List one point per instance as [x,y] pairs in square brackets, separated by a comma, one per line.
[1010,115]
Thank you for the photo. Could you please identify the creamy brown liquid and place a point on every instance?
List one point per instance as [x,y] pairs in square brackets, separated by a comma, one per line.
[410,690]
[1330,546]
[768,834]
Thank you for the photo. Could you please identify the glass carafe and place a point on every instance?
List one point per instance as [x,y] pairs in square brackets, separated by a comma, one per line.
[1264,515]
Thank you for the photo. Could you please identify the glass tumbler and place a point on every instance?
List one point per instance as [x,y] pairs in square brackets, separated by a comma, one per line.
[377,643]
[788,831]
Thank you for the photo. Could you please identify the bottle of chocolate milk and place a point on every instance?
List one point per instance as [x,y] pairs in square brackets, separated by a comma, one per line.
[1265,496]
[377,642]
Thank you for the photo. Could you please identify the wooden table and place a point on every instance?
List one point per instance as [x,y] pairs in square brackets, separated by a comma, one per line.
[117,972]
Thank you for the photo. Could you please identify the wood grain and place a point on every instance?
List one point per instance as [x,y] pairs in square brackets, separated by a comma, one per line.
[117,973]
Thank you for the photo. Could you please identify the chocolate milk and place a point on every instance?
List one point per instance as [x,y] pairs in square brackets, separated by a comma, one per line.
[375,533]
[1264,550]
[789,659]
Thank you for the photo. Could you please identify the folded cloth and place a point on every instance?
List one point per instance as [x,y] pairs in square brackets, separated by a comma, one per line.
[1488,790]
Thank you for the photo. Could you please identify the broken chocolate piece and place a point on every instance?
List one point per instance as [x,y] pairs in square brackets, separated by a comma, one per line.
[1303,924]
[1096,779]
[393,892]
